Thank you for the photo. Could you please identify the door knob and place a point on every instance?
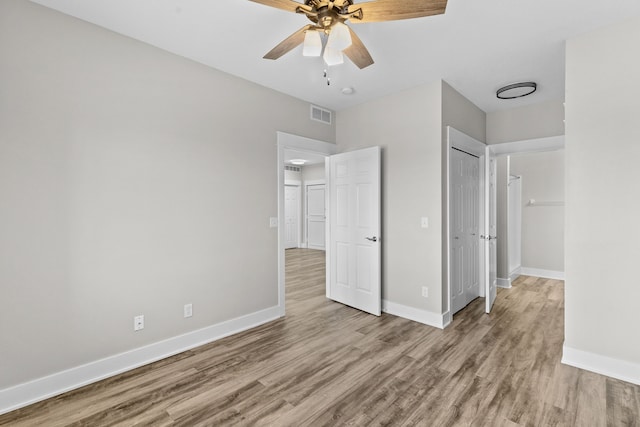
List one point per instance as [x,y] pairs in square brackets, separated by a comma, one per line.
[372,239]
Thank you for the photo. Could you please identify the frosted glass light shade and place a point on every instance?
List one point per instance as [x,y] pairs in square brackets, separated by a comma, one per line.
[339,37]
[332,57]
[312,43]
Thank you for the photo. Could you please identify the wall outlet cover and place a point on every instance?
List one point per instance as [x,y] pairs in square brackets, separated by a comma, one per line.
[138,322]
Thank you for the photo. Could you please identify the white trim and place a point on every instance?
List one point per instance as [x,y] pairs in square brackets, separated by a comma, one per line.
[447,318]
[504,283]
[604,365]
[551,143]
[539,272]
[515,274]
[327,228]
[43,388]
[298,143]
[416,314]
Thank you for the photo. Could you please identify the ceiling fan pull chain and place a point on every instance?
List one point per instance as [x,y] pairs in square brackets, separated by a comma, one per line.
[326,76]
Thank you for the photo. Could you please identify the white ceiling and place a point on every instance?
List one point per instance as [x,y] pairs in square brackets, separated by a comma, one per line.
[477,46]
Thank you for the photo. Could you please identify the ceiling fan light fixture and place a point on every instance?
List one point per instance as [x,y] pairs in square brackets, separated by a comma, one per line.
[339,37]
[332,57]
[312,43]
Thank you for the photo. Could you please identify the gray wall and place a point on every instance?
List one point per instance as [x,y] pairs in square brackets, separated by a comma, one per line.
[542,226]
[461,114]
[407,126]
[532,121]
[120,193]
[411,129]
[540,120]
[313,172]
[602,205]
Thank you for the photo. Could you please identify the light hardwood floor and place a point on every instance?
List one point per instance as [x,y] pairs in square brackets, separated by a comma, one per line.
[327,364]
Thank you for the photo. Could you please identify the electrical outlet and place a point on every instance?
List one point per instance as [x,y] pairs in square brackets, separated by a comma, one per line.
[138,323]
[188,310]
[425,292]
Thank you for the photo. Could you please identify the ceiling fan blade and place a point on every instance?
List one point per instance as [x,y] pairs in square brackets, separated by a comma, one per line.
[289,5]
[392,10]
[357,53]
[287,44]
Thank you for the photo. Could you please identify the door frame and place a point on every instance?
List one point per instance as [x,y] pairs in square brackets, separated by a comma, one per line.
[299,143]
[534,145]
[462,141]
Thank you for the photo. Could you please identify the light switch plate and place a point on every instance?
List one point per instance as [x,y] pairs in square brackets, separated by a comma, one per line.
[424,222]
[273,222]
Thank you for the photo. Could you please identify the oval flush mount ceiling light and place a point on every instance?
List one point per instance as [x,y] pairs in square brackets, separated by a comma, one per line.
[516,90]
[297,162]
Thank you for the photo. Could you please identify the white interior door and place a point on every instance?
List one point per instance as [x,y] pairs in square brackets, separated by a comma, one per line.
[316,216]
[291,215]
[353,252]
[465,228]
[490,235]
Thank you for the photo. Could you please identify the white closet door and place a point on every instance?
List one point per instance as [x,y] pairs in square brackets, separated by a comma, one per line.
[315,217]
[465,228]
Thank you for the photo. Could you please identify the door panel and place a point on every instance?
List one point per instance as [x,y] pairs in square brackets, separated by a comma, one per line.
[353,250]
[464,223]
[491,267]
[315,216]
[291,215]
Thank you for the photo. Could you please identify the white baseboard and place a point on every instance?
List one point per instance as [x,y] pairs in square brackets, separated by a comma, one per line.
[614,368]
[504,283]
[52,385]
[302,246]
[538,272]
[515,273]
[416,314]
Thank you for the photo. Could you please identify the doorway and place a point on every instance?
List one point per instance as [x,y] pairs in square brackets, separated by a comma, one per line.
[532,210]
[290,147]
[466,262]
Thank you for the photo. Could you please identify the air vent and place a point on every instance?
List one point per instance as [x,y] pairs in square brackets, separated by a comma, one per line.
[292,168]
[320,114]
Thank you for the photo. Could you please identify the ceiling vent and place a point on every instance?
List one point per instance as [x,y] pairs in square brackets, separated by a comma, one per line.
[320,114]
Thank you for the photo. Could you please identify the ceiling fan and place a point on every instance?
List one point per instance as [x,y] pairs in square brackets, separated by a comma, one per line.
[328,19]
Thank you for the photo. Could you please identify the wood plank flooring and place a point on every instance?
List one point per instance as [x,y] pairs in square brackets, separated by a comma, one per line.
[326,364]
